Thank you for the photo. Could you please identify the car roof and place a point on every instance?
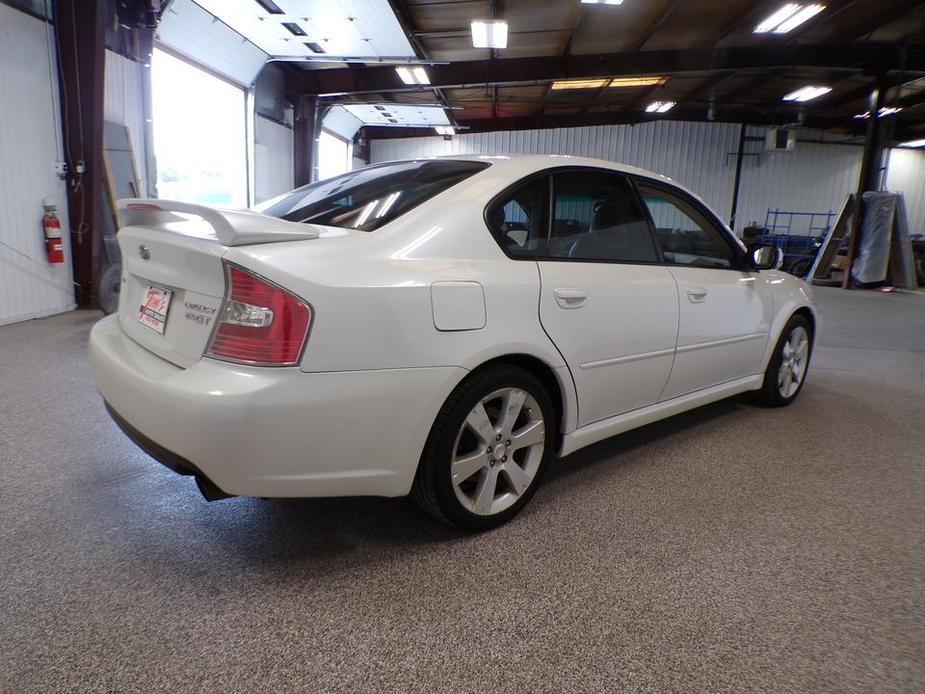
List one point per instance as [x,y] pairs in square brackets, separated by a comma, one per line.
[521,165]
[528,163]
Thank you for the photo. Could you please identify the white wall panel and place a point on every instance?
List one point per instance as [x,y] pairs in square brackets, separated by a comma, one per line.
[812,178]
[907,175]
[273,154]
[123,103]
[29,286]
[701,156]
[694,154]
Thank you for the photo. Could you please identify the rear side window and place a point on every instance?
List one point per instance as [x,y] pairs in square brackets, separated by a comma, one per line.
[518,220]
[371,197]
[597,216]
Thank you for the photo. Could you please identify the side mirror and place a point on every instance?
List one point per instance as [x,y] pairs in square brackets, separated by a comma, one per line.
[767,258]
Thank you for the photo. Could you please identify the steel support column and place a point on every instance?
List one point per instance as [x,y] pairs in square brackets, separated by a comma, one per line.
[305,136]
[738,177]
[80,27]
[871,169]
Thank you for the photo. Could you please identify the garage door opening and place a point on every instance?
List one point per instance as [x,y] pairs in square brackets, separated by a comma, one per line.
[199,134]
[333,155]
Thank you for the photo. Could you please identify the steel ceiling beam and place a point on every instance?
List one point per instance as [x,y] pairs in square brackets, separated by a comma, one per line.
[406,22]
[753,116]
[872,56]
[656,23]
[867,26]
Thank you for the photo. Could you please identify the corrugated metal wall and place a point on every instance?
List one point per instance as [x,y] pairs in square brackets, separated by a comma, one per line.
[907,174]
[693,154]
[814,177]
[123,103]
[29,286]
[273,155]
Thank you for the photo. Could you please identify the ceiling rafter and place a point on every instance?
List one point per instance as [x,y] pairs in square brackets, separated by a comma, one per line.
[878,57]
[655,24]
[750,14]
[400,9]
[866,26]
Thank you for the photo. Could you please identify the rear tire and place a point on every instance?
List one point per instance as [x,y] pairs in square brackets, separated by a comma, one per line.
[487,450]
[786,372]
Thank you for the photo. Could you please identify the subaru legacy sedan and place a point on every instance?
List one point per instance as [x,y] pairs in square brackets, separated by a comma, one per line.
[440,327]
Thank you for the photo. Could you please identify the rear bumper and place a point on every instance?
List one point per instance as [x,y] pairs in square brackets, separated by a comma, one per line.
[269,431]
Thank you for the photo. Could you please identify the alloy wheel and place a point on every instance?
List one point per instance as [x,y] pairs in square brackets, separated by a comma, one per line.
[794,357]
[498,451]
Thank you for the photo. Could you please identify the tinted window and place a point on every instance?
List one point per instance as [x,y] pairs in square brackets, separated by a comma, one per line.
[518,220]
[370,197]
[597,216]
[685,235]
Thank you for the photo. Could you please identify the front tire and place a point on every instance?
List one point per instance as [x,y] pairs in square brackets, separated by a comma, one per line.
[786,372]
[487,450]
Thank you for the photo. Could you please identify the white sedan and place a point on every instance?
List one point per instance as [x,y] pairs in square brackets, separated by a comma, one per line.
[440,327]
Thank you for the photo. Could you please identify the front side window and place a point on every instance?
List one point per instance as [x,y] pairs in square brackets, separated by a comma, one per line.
[597,216]
[685,235]
[519,220]
[369,198]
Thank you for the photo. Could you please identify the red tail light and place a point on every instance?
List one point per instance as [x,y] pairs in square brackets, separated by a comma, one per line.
[259,323]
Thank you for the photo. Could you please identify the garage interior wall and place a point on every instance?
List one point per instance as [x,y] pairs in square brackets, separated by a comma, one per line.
[701,156]
[273,137]
[906,173]
[29,112]
[273,158]
[123,103]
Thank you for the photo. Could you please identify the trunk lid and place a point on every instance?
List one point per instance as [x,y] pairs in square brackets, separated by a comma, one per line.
[173,251]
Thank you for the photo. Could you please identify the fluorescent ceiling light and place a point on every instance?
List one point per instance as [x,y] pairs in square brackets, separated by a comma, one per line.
[807,93]
[659,106]
[489,33]
[799,18]
[788,18]
[579,84]
[598,83]
[445,130]
[601,2]
[882,113]
[413,75]
[913,144]
[637,81]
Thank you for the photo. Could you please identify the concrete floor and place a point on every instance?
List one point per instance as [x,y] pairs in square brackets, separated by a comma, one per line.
[733,549]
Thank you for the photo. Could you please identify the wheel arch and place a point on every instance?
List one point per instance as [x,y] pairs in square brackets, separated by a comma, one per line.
[810,315]
[557,382]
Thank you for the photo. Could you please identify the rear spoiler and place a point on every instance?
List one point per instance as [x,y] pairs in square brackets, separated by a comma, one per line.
[231,227]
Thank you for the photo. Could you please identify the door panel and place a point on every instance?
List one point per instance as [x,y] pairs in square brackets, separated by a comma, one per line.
[616,327]
[725,316]
[725,313]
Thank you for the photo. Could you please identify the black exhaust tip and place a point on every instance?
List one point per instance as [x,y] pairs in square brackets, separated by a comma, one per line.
[209,491]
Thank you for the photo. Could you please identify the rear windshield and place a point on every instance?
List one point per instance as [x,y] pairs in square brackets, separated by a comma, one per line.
[368,198]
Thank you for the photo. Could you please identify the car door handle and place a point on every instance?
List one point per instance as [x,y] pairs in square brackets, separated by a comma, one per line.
[696,295]
[571,298]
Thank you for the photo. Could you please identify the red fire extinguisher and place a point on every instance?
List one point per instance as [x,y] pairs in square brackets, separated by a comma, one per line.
[54,248]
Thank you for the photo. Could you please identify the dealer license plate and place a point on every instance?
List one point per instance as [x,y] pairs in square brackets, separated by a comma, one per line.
[154,306]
